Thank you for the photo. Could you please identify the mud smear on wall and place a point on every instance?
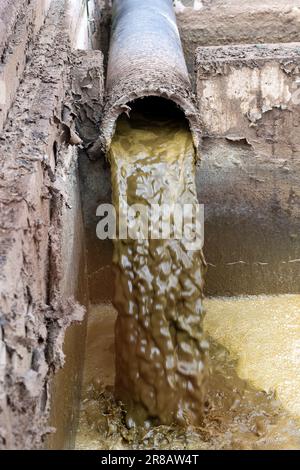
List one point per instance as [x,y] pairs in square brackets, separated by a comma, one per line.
[41,236]
[242,411]
[160,347]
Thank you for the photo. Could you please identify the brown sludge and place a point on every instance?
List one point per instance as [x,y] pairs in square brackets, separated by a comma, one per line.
[241,410]
[236,414]
[160,347]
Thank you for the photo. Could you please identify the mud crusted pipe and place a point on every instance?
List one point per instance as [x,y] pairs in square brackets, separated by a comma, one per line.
[145,59]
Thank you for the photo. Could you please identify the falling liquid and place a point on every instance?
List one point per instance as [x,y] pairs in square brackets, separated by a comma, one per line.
[160,347]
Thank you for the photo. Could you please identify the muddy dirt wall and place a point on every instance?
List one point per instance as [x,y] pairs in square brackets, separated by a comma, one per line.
[20,23]
[41,234]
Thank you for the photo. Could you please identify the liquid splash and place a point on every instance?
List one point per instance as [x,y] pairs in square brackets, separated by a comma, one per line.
[237,414]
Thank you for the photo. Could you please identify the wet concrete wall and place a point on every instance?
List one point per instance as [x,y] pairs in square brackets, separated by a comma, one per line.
[66,386]
[95,182]
[249,175]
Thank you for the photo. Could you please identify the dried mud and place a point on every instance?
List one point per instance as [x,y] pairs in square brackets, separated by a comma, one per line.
[38,174]
[249,173]
[270,21]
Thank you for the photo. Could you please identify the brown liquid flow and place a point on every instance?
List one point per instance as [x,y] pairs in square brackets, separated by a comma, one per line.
[160,347]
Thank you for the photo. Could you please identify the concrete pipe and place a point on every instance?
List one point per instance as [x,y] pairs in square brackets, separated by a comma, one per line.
[145,59]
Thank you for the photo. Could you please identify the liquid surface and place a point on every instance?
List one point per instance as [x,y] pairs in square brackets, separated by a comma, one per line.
[160,346]
[259,332]
[264,334]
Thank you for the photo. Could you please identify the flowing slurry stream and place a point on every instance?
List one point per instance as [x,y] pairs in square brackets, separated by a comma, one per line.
[160,346]
[148,382]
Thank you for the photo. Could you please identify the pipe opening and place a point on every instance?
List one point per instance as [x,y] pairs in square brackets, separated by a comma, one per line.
[157,109]
[153,111]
